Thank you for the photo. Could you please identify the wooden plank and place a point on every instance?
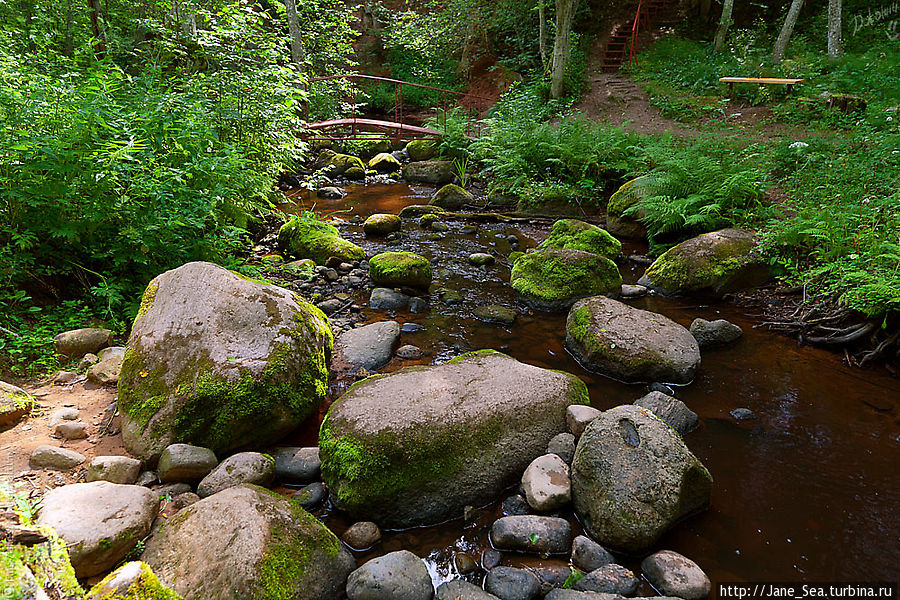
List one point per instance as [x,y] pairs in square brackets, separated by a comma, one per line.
[760,80]
[387,125]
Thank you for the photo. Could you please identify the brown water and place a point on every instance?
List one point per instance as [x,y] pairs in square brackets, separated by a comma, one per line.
[808,491]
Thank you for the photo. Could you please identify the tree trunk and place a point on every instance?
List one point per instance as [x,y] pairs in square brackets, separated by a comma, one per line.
[834,28]
[542,37]
[786,30]
[68,44]
[724,24]
[565,14]
[28,9]
[97,32]
[298,55]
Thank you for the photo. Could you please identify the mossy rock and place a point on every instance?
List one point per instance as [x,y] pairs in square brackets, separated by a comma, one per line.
[385,163]
[15,405]
[246,542]
[398,269]
[427,220]
[417,210]
[311,238]
[420,150]
[381,224]
[572,234]
[220,361]
[712,264]
[416,446]
[339,164]
[629,194]
[451,197]
[553,280]
[548,199]
[434,172]
[132,581]
[369,146]
[355,174]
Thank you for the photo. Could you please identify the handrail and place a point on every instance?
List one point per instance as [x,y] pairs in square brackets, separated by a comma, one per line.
[634,32]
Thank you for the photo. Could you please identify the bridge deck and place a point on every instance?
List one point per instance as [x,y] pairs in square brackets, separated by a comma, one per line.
[384,125]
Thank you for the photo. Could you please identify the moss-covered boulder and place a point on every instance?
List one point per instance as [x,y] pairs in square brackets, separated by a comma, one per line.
[132,581]
[310,238]
[712,264]
[629,344]
[220,361]
[418,445]
[248,542]
[413,211]
[355,174]
[339,164]
[572,234]
[15,405]
[369,145]
[381,224]
[385,163]
[429,219]
[420,150]
[625,197]
[552,280]
[435,172]
[451,197]
[399,269]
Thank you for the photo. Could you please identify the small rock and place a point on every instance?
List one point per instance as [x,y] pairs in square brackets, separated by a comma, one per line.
[481,259]
[562,445]
[86,361]
[330,306]
[115,469]
[331,275]
[183,501]
[674,412]
[51,457]
[64,377]
[71,430]
[714,333]
[578,416]
[633,291]
[296,465]
[370,346]
[396,576]
[185,463]
[493,313]
[468,230]
[106,372]
[546,483]
[609,579]
[387,299]
[411,328]
[743,414]
[171,490]
[243,467]
[662,388]
[311,495]
[409,352]
[676,575]
[438,226]
[417,305]
[147,479]
[451,297]
[508,583]
[110,352]
[464,563]
[588,555]
[490,559]
[515,505]
[78,342]
[460,589]
[330,193]
[532,533]
[362,535]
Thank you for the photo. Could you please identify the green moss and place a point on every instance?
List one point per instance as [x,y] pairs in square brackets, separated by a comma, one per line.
[417,210]
[474,354]
[147,587]
[625,197]
[341,163]
[421,149]
[311,238]
[452,197]
[425,221]
[595,348]
[399,269]
[578,235]
[148,298]
[554,279]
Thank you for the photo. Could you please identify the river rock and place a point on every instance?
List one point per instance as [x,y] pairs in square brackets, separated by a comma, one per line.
[546,483]
[515,505]
[712,264]
[434,172]
[311,496]
[633,291]
[52,457]
[185,463]
[629,194]
[387,299]
[578,595]
[414,211]
[220,361]
[316,240]
[409,352]
[588,555]
[714,333]
[493,313]
[563,446]
[473,425]
[508,583]
[247,542]
[330,192]
[629,344]
[481,259]
[398,269]
[742,414]
[674,412]
[553,280]
[532,533]
[420,150]
[460,589]
[633,479]
[384,163]
[676,575]
[451,197]
[296,465]
[76,343]
[99,521]
[362,535]
[59,415]
[370,346]
[15,405]
[609,579]
[115,469]
[578,417]
[106,372]
[244,467]
[338,164]
[399,575]
[381,224]
[71,430]
[572,234]
[132,581]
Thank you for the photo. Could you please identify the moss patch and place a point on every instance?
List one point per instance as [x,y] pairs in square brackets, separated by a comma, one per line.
[146,587]
[399,269]
[577,235]
[554,279]
[311,238]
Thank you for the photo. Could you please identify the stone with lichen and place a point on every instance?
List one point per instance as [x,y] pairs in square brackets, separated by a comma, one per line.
[553,280]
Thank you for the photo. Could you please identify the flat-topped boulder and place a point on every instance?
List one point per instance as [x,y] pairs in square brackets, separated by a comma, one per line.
[572,234]
[398,269]
[416,446]
[435,172]
[306,237]
[553,280]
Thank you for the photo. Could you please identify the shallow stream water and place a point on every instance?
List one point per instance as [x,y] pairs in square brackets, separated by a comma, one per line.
[808,491]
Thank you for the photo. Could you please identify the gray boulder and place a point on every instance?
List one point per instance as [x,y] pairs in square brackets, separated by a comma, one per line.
[370,346]
[532,533]
[676,575]
[399,575]
[244,467]
[78,342]
[674,412]
[562,445]
[416,446]
[185,463]
[714,333]
[609,579]
[460,589]
[247,542]
[633,479]
[508,583]
[15,405]
[99,521]
[579,416]
[629,344]
[387,299]
[52,457]
[296,465]
[115,469]
[546,483]
[435,172]
[220,361]
[588,555]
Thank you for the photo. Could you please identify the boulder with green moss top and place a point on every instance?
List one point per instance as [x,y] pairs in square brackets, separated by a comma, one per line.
[627,226]
[220,361]
[306,237]
[420,150]
[712,264]
[572,234]
[633,478]
[548,199]
[418,445]
[435,172]
[629,344]
[417,210]
[339,164]
[369,145]
[247,542]
[132,581]
[355,174]
[553,280]
[399,269]
[385,163]
[451,197]
[381,224]
[15,405]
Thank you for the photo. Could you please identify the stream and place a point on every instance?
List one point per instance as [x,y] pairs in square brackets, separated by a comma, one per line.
[807,491]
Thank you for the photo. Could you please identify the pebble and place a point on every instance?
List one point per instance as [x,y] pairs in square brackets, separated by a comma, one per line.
[743,414]
[588,555]
[409,352]
[578,416]
[411,328]
[464,564]
[362,535]
[490,559]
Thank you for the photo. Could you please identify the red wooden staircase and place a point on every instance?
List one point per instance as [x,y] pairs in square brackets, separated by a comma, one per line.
[621,45]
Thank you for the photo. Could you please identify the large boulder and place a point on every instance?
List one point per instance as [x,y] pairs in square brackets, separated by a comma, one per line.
[76,343]
[384,163]
[633,479]
[625,198]
[247,542]
[712,264]
[572,234]
[420,150]
[15,405]
[338,164]
[630,344]
[435,172]
[451,197]
[99,521]
[553,280]
[220,361]
[416,446]
[398,269]
[307,237]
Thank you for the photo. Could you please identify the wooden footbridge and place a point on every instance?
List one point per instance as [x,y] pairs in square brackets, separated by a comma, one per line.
[357,127]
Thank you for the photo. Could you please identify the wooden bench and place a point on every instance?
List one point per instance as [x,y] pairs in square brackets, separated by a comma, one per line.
[761,80]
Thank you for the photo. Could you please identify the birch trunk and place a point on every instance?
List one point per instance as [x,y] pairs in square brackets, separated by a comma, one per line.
[565,14]
[293,19]
[542,37]
[724,24]
[786,30]
[834,28]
